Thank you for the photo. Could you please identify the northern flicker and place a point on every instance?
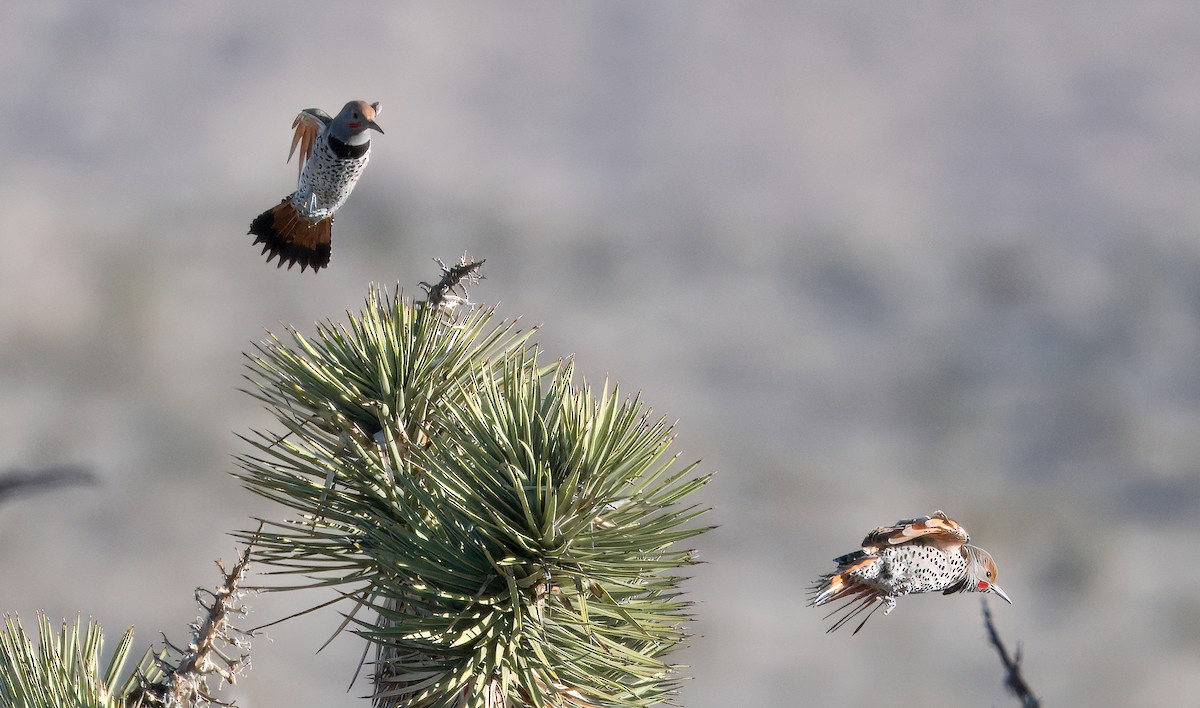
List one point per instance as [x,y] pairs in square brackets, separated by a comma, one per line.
[927,554]
[333,153]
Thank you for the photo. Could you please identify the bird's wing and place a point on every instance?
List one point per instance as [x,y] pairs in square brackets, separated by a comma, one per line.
[307,125]
[939,530]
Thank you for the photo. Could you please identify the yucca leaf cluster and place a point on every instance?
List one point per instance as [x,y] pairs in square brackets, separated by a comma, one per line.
[64,670]
[514,538]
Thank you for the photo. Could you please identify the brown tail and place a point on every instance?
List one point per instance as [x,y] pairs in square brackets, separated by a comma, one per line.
[293,239]
[844,586]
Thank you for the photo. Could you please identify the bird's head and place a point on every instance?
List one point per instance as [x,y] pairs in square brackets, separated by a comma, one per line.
[355,118]
[981,573]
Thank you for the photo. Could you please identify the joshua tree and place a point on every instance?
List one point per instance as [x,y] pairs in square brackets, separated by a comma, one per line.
[500,533]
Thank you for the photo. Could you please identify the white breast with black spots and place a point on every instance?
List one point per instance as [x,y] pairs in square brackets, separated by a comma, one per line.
[914,568]
[326,181]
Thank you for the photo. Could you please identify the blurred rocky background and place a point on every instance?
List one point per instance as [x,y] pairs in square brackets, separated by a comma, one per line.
[877,259]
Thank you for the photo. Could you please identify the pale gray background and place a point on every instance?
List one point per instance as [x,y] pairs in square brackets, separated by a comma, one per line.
[877,258]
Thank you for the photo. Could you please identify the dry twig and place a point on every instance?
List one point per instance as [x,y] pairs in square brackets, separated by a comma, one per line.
[1012,664]
[217,648]
[451,290]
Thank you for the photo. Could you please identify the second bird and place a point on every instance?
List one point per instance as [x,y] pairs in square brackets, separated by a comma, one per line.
[333,153]
[926,554]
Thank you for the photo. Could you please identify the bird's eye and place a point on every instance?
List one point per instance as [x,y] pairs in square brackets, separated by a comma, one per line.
[989,573]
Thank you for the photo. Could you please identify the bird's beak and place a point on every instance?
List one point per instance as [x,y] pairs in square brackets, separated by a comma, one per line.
[374,126]
[996,589]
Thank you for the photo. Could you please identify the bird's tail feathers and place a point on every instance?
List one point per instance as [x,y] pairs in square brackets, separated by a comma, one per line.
[834,586]
[842,585]
[863,599]
[291,238]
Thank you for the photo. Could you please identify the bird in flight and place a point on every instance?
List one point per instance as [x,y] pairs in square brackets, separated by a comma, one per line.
[333,153]
[926,554]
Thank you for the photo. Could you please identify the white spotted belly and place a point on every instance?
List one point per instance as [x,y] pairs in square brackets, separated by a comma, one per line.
[326,182]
